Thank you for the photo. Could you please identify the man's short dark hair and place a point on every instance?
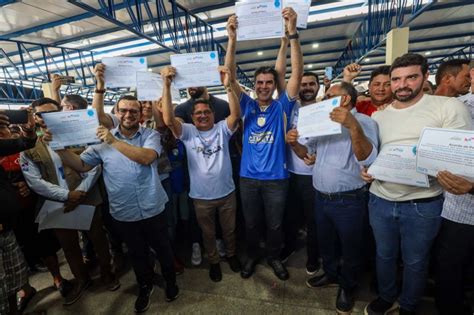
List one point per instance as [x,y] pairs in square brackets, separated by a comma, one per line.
[128,98]
[382,70]
[311,74]
[450,67]
[43,101]
[265,70]
[410,59]
[77,101]
[202,101]
[350,90]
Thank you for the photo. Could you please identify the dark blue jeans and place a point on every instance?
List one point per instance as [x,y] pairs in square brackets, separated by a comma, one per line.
[340,226]
[263,201]
[412,227]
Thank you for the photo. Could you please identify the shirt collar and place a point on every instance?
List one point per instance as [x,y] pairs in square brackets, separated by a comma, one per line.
[116,132]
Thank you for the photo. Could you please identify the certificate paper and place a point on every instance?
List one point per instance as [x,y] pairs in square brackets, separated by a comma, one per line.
[396,164]
[196,69]
[150,87]
[52,216]
[446,149]
[72,128]
[301,8]
[121,71]
[314,121]
[259,19]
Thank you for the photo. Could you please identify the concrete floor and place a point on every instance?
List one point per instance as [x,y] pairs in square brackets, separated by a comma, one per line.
[261,294]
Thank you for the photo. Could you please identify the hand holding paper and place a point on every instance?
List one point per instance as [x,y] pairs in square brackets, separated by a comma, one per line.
[314,120]
[72,128]
[454,184]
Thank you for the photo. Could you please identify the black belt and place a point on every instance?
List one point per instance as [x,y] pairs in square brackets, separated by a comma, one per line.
[422,200]
[350,194]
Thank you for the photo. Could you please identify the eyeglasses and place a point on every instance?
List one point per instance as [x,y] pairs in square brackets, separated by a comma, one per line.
[40,114]
[206,112]
[124,111]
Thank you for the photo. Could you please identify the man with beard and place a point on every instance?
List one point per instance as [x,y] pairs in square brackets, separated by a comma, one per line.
[379,87]
[402,216]
[263,173]
[137,199]
[452,78]
[184,110]
[300,205]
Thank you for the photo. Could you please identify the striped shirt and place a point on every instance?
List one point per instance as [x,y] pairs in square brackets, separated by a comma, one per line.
[457,208]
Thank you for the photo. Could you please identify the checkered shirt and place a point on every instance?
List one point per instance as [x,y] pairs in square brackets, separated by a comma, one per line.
[459,208]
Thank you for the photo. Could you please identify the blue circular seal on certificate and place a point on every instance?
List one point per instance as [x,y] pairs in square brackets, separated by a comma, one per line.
[334,102]
[142,60]
[413,150]
[213,55]
[90,112]
[277,4]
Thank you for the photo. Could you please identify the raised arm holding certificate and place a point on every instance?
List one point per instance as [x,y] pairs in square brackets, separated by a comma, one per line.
[259,20]
[121,71]
[446,150]
[302,9]
[196,69]
[396,164]
[72,128]
[314,121]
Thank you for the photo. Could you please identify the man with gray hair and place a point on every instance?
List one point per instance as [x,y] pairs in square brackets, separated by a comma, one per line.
[341,195]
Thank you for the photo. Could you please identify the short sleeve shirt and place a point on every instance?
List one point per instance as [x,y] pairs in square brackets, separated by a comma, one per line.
[135,190]
[264,147]
[209,165]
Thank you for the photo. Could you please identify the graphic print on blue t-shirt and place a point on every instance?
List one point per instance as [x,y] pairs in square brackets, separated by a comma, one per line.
[264,155]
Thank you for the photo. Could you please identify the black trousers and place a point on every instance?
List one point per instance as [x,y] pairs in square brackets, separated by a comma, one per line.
[263,204]
[454,257]
[140,236]
[299,212]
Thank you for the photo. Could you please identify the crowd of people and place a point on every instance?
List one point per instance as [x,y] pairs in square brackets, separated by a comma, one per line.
[207,161]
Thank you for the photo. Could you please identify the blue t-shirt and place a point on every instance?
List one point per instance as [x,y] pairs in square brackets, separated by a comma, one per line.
[264,148]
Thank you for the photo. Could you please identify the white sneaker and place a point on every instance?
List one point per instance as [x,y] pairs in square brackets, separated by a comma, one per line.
[196,258]
[220,247]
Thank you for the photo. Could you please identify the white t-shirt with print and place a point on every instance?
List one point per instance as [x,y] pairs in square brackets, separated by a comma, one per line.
[209,165]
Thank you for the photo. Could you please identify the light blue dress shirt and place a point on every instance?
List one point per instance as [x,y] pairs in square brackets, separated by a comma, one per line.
[337,168]
[135,190]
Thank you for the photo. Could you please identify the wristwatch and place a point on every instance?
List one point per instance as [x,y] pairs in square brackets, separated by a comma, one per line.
[294,36]
[99,91]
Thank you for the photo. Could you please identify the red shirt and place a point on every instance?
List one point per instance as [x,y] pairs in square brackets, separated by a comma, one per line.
[366,107]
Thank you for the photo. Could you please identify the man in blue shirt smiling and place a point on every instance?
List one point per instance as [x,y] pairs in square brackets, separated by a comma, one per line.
[263,173]
[129,155]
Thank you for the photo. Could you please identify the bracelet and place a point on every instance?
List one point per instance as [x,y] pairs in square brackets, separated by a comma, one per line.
[99,91]
[294,36]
